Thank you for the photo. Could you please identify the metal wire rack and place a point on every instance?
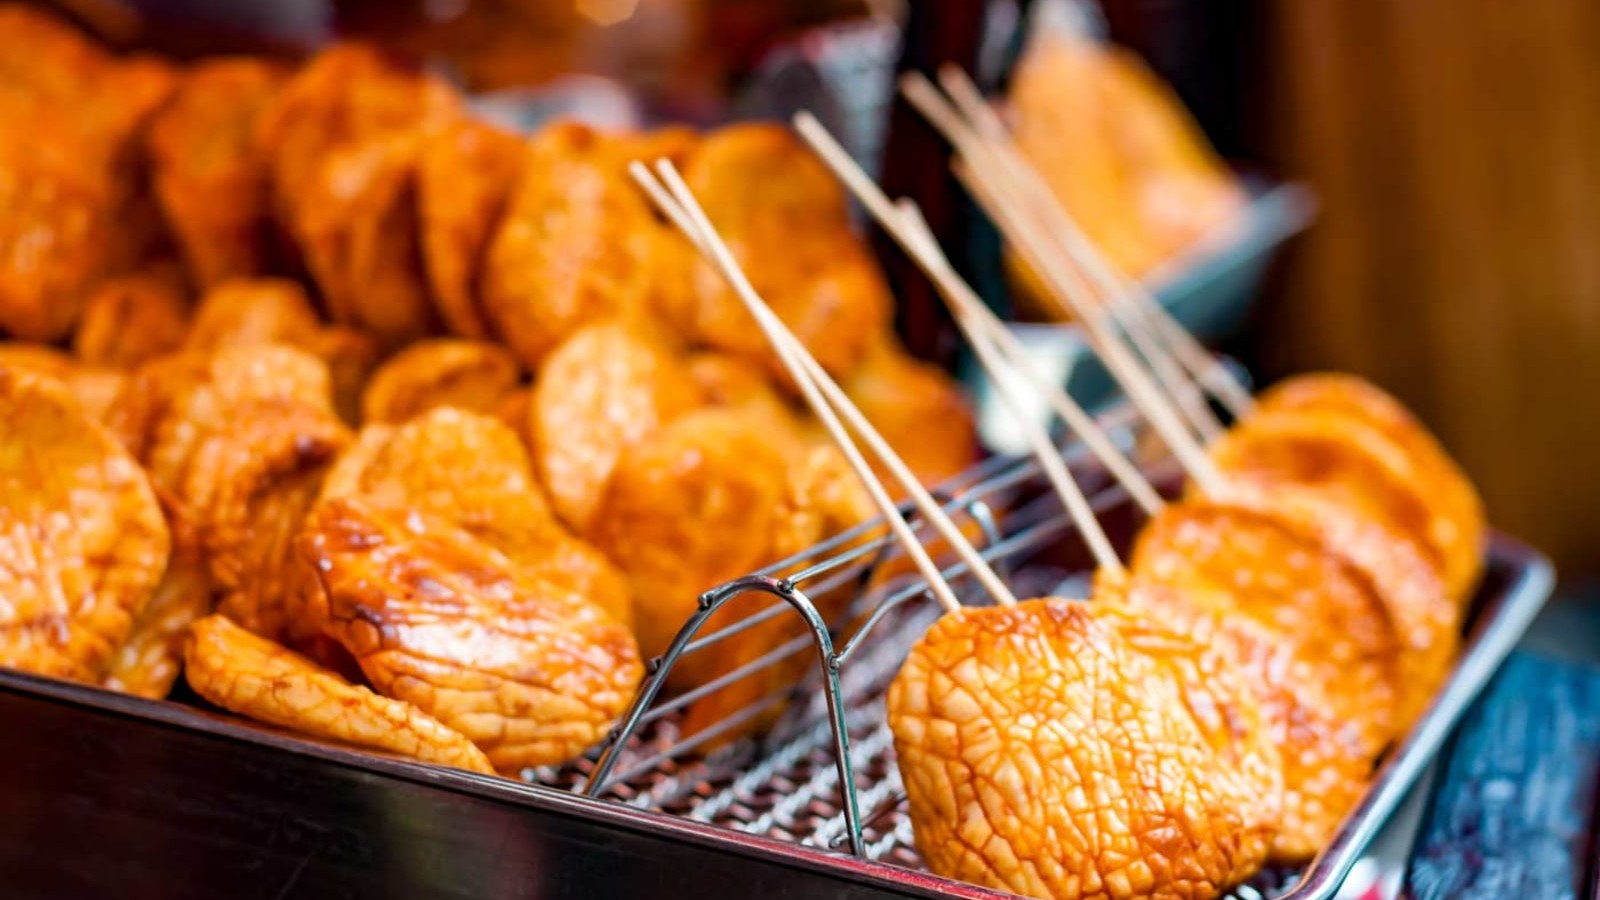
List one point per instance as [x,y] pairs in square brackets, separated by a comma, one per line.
[823,774]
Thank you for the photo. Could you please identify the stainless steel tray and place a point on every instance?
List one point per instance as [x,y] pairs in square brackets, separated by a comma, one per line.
[101,792]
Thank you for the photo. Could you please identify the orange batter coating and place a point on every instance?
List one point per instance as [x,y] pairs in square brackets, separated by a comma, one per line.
[521,665]
[1337,712]
[464,177]
[575,245]
[95,388]
[472,471]
[148,663]
[1044,754]
[785,218]
[918,409]
[250,675]
[82,539]
[210,176]
[1459,527]
[343,138]
[603,390]
[131,319]
[1315,471]
[470,375]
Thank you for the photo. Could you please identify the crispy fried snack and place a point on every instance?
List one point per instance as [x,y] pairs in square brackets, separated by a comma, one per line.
[470,375]
[247,489]
[732,382]
[272,310]
[82,539]
[1119,152]
[473,472]
[147,664]
[209,174]
[575,245]
[791,234]
[920,411]
[701,501]
[130,319]
[1043,754]
[464,177]
[515,410]
[1337,713]
[252,676]
[1312,477]
[96,389]
[344,137]
[1459,527]
[602,391]
[67,181]
[524,667]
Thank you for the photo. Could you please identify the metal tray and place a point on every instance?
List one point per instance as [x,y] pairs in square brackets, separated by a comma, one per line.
[110,795]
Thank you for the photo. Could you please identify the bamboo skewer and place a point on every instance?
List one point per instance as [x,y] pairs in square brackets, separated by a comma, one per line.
[825,397]
[998,195]
[1124,293]
[902,221]
[989,340]
[1044,450]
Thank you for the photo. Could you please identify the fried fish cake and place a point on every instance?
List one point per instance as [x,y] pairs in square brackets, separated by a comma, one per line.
[918,409]
[465,174]
[149,661]
[246,490]
[1459,527]
[701,501]
[473,472]
[209,174]
[130,319]
[243,312]
[525,668]
[94,387]
[574,247]
[600,392]
[469,375]
[82,539]
[245,673]
[1339,712]
[785,219]
[1042,754]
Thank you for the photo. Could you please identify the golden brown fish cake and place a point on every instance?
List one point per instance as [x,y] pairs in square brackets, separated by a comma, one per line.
[918,409]
[247,674]
[149,661]
[469,375]
[246,490]
[574,247]
[465,175]
[1337,712]
[1042,754]
[55,239]
[602,391]
[209,174]
[95,388]
[733,382]
[527,669]
[472,471]
[243,312]
[82,539]
[699,502]
[1459,526]
[786,220]
[514,411]
[130,319]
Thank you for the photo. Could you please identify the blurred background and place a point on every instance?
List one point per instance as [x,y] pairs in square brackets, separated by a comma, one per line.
[1449,145]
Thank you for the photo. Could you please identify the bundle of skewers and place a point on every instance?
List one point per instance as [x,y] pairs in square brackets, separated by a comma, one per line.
[1222,697]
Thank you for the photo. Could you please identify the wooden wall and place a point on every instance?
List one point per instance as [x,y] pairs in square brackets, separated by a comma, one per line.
[1456,147]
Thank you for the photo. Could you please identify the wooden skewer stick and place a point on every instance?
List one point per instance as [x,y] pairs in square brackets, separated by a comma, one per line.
[824,396]
[1126,293]
[998,197]
[1000,369]
[902,225]
[981,120]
